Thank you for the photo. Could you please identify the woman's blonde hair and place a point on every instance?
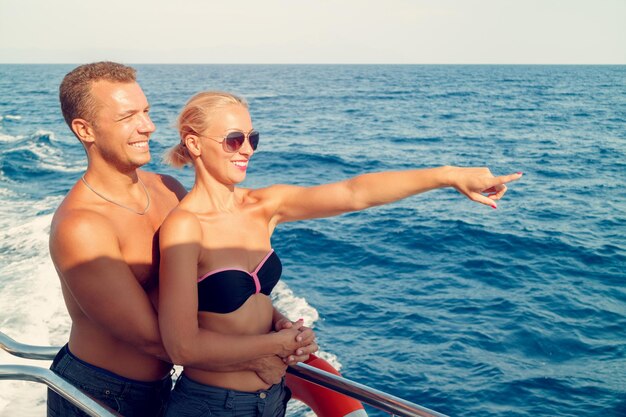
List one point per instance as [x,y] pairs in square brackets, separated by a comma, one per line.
[196,118]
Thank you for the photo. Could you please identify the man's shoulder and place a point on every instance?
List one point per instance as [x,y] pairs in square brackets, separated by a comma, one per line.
[163,183]
[78,216]
[80,234]
[74,219]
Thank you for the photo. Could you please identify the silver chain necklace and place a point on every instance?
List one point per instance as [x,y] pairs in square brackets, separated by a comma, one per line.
[141,213]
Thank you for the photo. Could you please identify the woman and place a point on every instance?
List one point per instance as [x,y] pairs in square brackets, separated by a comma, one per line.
[217,264]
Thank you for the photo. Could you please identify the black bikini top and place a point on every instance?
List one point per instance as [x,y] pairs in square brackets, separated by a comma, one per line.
[225,290]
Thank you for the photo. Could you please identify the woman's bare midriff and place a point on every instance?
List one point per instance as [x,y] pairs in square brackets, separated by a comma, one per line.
[252,318]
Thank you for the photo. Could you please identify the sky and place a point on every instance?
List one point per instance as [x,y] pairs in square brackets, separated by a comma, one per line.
[314,31]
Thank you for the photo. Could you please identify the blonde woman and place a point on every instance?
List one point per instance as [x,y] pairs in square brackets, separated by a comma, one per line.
[218,267]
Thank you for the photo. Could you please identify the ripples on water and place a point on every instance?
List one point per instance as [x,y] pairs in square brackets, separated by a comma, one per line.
[519,311]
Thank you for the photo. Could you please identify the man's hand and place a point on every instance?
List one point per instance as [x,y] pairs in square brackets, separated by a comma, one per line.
[270,369]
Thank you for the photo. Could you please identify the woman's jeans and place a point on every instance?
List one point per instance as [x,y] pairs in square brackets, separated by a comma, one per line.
[193,399]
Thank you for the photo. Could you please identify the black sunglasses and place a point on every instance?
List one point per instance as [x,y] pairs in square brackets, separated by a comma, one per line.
[234,140]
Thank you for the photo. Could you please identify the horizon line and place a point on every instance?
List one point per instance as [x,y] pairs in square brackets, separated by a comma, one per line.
[318,63]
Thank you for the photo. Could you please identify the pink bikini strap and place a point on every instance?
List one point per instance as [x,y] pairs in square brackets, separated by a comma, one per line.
[253,274]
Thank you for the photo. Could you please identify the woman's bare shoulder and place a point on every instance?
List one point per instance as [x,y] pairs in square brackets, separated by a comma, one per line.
[180,225]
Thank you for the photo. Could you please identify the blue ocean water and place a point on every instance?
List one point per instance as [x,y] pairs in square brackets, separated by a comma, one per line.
[519,311]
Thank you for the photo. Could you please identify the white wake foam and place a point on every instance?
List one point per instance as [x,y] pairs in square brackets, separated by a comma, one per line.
[9,138]
[32,305]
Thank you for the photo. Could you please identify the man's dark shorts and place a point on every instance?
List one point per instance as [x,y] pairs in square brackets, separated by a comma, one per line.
[128,397]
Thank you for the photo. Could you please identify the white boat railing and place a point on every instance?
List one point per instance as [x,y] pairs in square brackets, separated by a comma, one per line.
[22,350]
[378,399]
[59,385]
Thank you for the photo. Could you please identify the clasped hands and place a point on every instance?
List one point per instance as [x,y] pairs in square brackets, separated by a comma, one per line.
[297,342]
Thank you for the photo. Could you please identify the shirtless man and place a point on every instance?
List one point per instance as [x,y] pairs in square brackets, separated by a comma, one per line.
[103,243]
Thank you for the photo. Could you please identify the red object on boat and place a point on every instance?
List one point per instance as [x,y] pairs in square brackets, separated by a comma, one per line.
[323,402]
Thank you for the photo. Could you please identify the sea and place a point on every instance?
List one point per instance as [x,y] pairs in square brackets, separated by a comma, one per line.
[452,305]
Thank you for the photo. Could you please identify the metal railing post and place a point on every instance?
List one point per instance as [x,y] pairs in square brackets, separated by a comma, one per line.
[22,350]
[59,385]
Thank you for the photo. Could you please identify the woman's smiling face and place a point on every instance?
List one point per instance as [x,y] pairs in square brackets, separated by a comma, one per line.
[227,167]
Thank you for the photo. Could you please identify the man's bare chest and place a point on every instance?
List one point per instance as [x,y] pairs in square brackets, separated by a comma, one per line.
[140,250]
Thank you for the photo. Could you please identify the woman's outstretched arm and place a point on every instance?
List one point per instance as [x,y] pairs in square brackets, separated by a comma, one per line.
[291,203]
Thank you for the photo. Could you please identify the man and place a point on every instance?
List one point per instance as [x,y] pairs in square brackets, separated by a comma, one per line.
[103,243]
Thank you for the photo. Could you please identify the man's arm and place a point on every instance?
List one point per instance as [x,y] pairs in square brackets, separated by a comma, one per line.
[86,253]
